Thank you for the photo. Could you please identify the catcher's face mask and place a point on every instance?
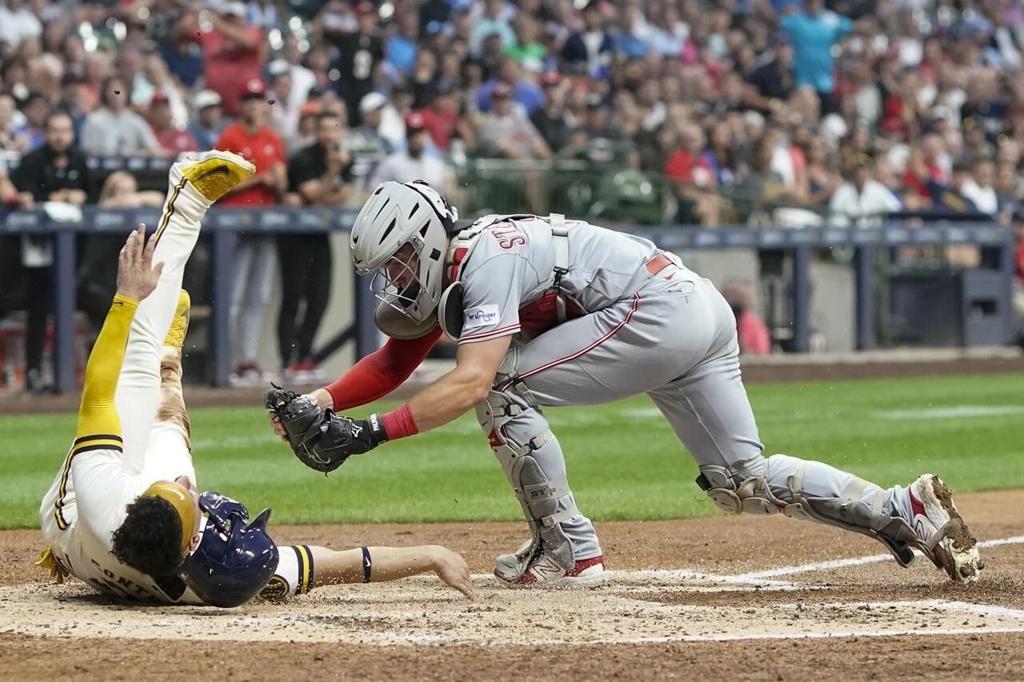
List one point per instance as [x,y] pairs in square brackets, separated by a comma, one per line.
[397,282]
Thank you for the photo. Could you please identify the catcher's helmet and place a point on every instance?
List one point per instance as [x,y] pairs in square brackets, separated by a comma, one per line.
[397,214]
[235,557]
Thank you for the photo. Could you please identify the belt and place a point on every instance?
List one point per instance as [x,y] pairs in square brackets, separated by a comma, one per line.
[658,263]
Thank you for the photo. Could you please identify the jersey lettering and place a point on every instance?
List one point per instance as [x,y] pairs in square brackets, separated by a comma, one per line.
[508,236]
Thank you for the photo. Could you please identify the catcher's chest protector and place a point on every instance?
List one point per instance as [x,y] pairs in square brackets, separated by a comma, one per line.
[549,310]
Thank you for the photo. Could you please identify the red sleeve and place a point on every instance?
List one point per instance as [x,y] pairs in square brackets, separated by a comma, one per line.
[381,372]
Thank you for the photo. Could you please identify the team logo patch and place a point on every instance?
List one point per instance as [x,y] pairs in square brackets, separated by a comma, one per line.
[481,316]
[277,588]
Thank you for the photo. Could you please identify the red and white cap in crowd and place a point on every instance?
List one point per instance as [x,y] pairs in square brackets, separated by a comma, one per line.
[414,123]
[253,88]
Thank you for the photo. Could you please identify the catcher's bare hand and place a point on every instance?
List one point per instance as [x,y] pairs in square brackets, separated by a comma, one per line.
[136,275]
[451,568]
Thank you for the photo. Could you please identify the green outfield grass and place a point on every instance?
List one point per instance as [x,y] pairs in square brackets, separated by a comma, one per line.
[624,462]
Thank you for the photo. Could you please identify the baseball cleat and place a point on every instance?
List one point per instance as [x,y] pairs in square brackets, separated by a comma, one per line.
[943,534]
[544,573]
[213,173]
[179,325]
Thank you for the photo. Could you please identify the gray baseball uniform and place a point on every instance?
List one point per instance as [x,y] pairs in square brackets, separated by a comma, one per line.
[648,325]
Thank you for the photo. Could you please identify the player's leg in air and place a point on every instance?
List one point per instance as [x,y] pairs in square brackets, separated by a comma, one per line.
[99,515]
[685,331]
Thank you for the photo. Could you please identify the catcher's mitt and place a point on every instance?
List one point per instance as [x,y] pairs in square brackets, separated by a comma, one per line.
[321,439]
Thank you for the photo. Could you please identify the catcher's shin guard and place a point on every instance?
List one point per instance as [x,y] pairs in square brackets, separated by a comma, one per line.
[777,484]
[517,432]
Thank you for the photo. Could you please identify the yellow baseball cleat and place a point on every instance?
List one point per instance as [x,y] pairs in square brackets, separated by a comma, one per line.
[179,325]
[213,173]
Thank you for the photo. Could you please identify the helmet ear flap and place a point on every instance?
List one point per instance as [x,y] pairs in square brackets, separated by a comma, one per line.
[450,311]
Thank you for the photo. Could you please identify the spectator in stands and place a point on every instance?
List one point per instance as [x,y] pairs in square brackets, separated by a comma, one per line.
[96,283]
[115,129]
[413,162]
[233,51]
[402,46]
[57,172]
[208,122]
[360,54]
[551,120]
[752,333]
[441,119]
[159,81]
[527,50]
[978,186]
[284,110]
[423,81]
[525,93]
[761,187]
[590,51]
[598,124]
[254,258]
[10,141]
[36,110]
[121,190]
[172,140]
[375,135]
[814,32]
[320,175]
[494,20]
[692,175]
[18,22]
[506,133]
[772,82]
[822,179]
[861,201]
[306,131]
[949,197]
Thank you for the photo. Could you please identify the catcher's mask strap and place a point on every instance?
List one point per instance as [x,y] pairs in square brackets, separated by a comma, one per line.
[182,502]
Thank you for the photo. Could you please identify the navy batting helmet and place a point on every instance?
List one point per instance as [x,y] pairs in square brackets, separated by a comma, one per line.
[235,557]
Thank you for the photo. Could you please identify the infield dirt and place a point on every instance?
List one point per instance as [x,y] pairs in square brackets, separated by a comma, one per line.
[729,598]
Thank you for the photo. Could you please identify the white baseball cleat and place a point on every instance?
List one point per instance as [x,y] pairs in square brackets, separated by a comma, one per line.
[943,533]
[545,573]
[213,173]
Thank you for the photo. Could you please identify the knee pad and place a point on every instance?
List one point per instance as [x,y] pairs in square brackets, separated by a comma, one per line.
[737,492]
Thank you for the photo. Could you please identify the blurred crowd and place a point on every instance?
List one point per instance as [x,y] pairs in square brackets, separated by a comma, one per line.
[782,111]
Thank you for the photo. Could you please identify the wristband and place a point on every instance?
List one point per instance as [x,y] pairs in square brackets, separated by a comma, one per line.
[398,423]
[367,563]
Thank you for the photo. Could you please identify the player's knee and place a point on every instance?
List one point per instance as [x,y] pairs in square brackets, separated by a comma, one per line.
[740,488]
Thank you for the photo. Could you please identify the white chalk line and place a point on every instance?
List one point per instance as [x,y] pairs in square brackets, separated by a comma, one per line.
[764,579]
[846,563]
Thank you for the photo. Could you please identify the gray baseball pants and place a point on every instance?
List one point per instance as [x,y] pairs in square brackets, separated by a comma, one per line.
[675,340]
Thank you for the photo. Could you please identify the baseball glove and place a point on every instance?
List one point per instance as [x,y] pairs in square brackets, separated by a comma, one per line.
[321,439]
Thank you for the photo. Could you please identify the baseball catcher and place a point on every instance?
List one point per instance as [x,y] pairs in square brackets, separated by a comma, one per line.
[123,513]
[549,311]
